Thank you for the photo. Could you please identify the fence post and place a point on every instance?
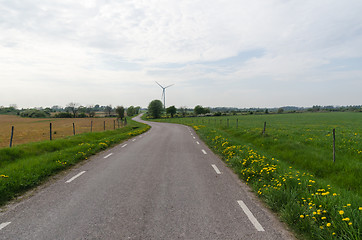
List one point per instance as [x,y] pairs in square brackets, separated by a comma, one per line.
[237,123]
[125,121]
[334,145]
[264,128]
[118,122]
[104,125]
[50,131]
[114,124]
[73,129]
[91,126]
[12,135]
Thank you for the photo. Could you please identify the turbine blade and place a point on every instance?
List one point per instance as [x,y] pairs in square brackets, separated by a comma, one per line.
[159,84]
[169,85]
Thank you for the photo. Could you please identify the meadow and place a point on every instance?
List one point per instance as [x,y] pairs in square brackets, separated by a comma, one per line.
[37,129]
[291,166]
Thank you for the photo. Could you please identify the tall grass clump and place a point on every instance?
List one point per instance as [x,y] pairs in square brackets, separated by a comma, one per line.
[26,166]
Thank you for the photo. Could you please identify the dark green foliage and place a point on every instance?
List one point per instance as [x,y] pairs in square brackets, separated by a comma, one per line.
[155,109]
[201,110]
[63,115]
[130,111]
[171,110]
[120,112]
[34,113]
[108,110]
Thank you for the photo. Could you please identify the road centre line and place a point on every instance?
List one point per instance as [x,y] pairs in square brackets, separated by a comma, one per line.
[194,137]
[203,151]
[216,169]
[4,225]
[108,155]
[124,145]
[251,217]
[197,142]
[70,180]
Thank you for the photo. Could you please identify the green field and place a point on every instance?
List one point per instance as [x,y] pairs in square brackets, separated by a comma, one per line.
[291,166]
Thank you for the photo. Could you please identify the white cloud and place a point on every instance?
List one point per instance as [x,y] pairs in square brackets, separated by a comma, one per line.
[91,43]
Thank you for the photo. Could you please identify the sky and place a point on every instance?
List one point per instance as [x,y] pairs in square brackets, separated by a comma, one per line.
[235,53]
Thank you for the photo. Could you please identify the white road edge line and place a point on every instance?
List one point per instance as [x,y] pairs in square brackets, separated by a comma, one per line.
[197,142]
[108,155]
[133,140]
[216,169]
[4,225]
[75,177]
[203,151]
[124,145]
[251,216]
[194,137]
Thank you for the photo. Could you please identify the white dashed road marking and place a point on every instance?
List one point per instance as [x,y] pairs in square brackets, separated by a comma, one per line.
[203,151]
[124,145]
[197,142]
[251,216]
[4,225]
[216,169]
[75,177]
[108,155]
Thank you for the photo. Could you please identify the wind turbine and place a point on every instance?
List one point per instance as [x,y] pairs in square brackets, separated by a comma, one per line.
[164,94]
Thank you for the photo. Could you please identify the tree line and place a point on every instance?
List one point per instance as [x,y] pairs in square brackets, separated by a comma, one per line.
[72,110]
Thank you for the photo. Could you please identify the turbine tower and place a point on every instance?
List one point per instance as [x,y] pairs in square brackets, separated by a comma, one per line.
[164,93]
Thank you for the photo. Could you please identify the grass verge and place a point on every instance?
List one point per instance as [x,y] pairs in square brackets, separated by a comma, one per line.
[26,166]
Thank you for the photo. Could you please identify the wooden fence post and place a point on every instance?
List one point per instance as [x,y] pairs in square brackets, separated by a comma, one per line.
[12,135]
[334,145]
[73,129]
[264,128]
[125,121]
[50,131]
[114,124]
[237,123]
[91,126]
[118,122]
[104,125]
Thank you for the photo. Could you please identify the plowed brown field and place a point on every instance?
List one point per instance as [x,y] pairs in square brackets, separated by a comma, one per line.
[37,129]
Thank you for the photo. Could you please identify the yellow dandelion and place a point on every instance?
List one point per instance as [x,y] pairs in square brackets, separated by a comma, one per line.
[328,224]
[341,212]
[301,216]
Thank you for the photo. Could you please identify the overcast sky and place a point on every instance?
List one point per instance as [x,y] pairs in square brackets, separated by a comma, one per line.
[236,53]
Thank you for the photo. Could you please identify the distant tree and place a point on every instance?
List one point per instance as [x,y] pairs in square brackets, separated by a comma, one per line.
[73,108]
[137,110]
[201,110]
[266,111]
[171,110]
[280,110]
[108,110]
[155,108]
[120,112]
[182,110]
[130,111]
[90,111]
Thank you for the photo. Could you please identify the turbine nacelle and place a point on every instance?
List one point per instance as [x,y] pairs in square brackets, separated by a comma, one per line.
[164,93]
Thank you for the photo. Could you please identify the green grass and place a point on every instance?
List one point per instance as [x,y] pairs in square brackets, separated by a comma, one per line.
[291,167]
[26,166]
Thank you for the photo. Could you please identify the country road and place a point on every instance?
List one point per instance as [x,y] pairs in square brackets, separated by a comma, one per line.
[163,184]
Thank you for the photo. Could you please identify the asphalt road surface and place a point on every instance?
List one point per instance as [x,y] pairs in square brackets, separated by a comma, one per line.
[163,184]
